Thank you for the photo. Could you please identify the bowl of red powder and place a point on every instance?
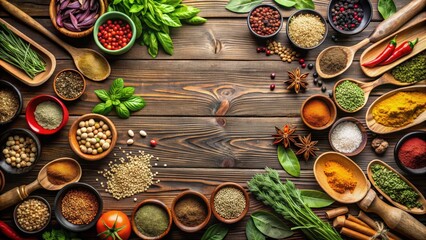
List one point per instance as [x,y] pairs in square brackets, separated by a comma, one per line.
[410,153]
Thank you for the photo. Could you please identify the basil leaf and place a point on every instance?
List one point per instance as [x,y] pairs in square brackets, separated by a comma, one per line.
[145,38]
[116,2]
[102,94]
[136,8]
[116,87]
[316,199]
[252,233]
[286,3]
[288,161]
[165,8]
[196,20]
[102,108]
[122,111]
[150,17]
[242,6]
[386,8]
[134,103]
[217,231]
[171,21]
[186,12]
[153,45]
[166,42]
[173,3]
[126,93]
[108,103]
[301,4]
[138,25]
[270,225]
[110,8]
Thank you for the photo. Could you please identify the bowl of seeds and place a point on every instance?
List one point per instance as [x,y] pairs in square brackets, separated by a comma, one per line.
[10,102]
[151,219]
[264,21]
[349,16]
[306,29]
[69,84]
[32,215]
[229,202]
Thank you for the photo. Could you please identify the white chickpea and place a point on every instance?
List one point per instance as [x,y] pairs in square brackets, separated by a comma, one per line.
[108,141]
[78,132]
[91,122]
[105,146]
[100,150]
[90,135]
[108,133]
[94,152]
[8,160]
[93,140]
[89,150]
[89,129]
[84,135]
[78,138]
[97,145]
[18,160]
[105,127]
[101,123]
[88,144]
[32,159]
[33,149]
[21,140]
[5,151]
[16,137]
[83,129]
[81,124]
[18,165]
[10,138]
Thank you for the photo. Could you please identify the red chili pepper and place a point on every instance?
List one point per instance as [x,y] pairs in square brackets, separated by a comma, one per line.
[387,52]
[400,51]
[7,231]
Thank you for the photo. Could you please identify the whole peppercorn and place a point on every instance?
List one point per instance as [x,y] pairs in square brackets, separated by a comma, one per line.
[320,83]
[310,66]
[273,75]
[272,87]
[315,74]
[330,94]
[153,143]
[323,88]
[265,21]
[315,80]
[334,38]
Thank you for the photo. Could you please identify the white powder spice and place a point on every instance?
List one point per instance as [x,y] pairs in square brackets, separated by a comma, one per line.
[346,137]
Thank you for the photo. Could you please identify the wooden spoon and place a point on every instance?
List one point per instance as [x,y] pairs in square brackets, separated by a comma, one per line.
[367,87]
[89,62]
[381,129]
[18,194]
[385,28]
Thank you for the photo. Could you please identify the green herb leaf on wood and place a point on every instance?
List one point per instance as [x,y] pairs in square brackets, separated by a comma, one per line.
[102,94]
[171,21]
[316,199]
[134,103]
[126,93]
[270,225]
[302,4]
[166,42]
[195,20]
[173,3]
[116,87]
[252,233]
[288,161]
[217,231]
[153,45]
[186,12]
[122,111]
[386,8]
[286,3]
[165,8]
[136,8]
[138,25]
[242,6]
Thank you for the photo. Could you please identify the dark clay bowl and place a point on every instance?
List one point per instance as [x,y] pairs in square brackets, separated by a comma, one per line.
[6,84]
[363,133]
[234,185]
[58,210]
[154,202]
[365,5]
[419,171]
[48,220]
[21,132]
[265,36]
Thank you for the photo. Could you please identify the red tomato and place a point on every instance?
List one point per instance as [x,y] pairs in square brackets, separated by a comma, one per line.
[113,224]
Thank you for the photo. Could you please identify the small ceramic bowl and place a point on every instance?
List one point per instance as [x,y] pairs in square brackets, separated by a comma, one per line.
[66,32]
[216,214]
[41,229]
[202,199]
[73,71]
[58,208]
[2,181]
[265,36]
[72,137]
[114,15]
[31,120]
[154,202]
[367,8]
[331,106]
[24,133]
[418,171]
[8,85]
[361,128]
[306,11]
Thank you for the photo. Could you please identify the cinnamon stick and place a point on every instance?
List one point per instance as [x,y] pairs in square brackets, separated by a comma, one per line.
[353,234]
[336,212]
[359,228]
[354,219]
[370,222]
[339,221]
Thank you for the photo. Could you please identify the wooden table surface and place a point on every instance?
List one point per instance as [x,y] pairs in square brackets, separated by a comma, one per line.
[209,107]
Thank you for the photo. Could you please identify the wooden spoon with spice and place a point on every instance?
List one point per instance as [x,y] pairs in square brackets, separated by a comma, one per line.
[326,62]
[53,176]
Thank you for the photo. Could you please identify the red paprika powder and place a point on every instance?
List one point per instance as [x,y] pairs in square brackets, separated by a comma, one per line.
[413,153]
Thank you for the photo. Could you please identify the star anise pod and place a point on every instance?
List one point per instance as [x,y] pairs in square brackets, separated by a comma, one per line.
[297,80]
[284,135]
[307,147]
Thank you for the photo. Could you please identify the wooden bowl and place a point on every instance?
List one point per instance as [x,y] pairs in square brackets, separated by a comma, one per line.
[381,129]
[362,183]
[234,185]
[331,107]
[398,205]
[69,70]
[66,32]
[200,197]
[72,137]
[15,219]
[7,85]
[418,171]
[361,128]
[364,88]
[155,202]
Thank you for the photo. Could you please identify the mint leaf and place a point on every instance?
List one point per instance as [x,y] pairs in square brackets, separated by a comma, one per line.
[134,103]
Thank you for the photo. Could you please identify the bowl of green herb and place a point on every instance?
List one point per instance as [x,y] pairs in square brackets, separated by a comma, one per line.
[151,219]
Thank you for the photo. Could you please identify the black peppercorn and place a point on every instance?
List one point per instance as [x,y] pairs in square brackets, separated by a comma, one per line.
[315,80]
[323,89]
[315,74]
[330,94]
[310,66]
[320,83]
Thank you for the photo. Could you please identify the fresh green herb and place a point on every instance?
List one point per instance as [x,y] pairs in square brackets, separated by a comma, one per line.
[411,71]
[302,4]
[252,233]
[349,95]
[288,161]
[396,188]
[286,200]
[20,54]
[217,231]
[286,3]
[316,199]
[242,6]
[119,97]
[155,17]
[59,234]
[386,8]
[270,225]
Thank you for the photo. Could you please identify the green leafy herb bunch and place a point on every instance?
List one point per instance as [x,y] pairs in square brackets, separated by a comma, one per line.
[119,97]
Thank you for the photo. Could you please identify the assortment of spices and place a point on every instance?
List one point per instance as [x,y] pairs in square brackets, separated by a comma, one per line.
[404,49]
[349,95]
[114,34]
[339,178]
[94,137]
[69,84]
[396,188]
[62,172]
[9,104]
[229,202]
[346,137]
[333,60]
[387,52]
[151,220]
[412,70]
[286,54]
[76,15]
[32,214]
[79,206]
[400,109]
[48,115]
[297,80]
[265,20]
[412,153]
[191,211]
[316,112]
[347,14]
[306,30]
[20,151]
[379,145]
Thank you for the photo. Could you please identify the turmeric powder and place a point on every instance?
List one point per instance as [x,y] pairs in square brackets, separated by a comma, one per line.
[339,178]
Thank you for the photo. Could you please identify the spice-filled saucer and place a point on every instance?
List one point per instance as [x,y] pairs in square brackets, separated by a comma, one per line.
[348,136]
[191,211]
[269,14]
[69,84]
[151,219]
[46,114]
[227,194]
[354,17]
[33,215]
[318,112]
[13,105]
[409,153]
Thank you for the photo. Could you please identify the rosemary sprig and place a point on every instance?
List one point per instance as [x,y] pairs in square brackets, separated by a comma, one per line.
[286,200]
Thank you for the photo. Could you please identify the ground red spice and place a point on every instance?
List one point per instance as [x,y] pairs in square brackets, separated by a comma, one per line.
[413,153]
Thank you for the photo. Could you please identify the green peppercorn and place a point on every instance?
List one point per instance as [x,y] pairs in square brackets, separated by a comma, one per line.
[349,95]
